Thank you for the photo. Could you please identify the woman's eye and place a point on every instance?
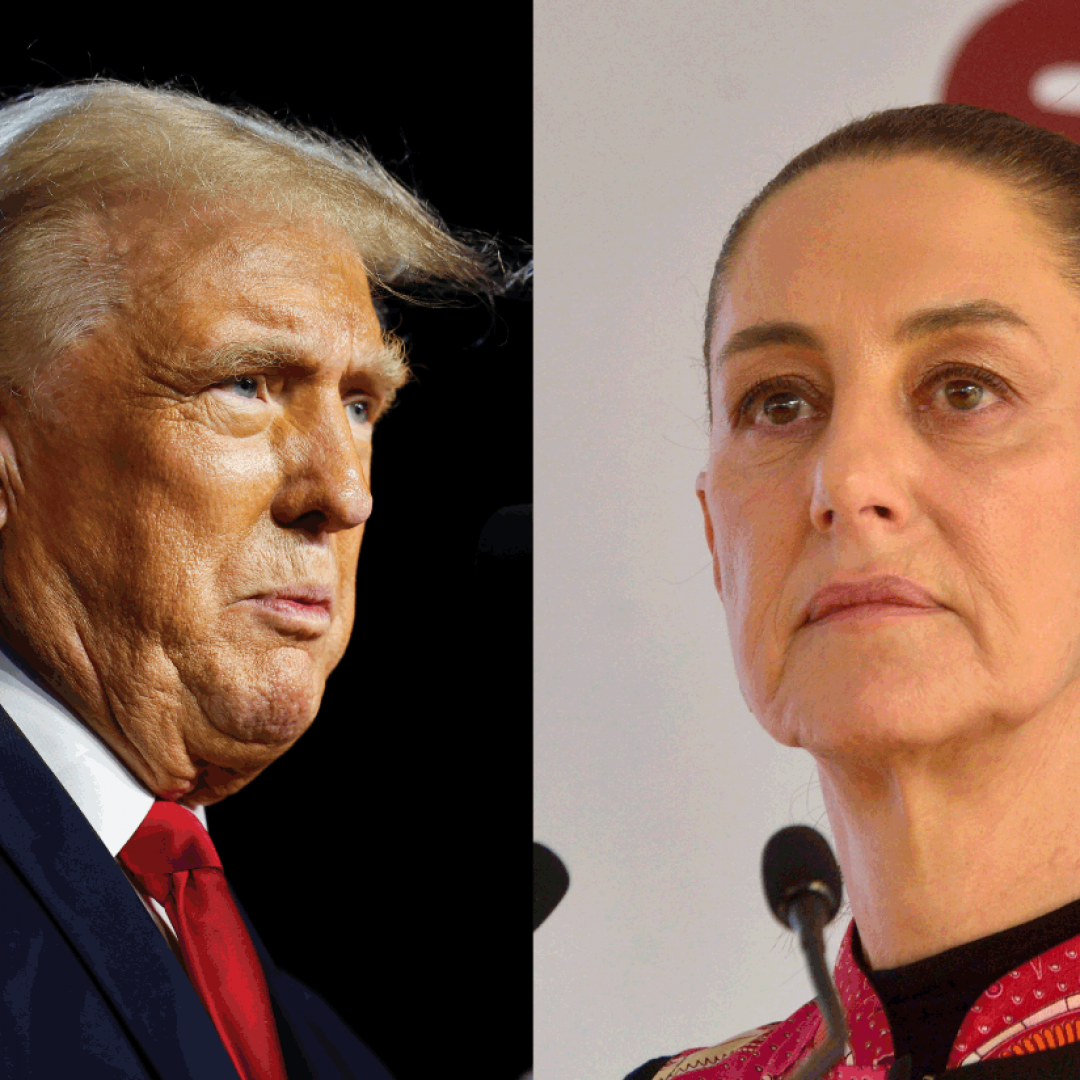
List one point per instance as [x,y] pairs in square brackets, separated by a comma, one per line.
[780,409]
[968,393]
[781,406]
[963,395]
[955,389]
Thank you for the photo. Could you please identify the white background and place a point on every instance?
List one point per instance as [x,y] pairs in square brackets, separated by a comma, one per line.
[655,121]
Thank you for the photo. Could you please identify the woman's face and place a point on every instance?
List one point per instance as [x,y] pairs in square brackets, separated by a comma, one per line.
[924,422]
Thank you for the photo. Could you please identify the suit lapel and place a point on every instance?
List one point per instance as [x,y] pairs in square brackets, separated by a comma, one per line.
[94,907]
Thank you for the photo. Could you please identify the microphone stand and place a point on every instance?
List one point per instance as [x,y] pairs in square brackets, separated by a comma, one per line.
[807,915]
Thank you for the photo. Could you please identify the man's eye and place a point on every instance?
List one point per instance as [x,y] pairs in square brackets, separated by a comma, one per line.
[360,411]
[245,385]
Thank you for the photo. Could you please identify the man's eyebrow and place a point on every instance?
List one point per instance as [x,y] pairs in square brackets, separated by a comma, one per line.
[386,363]
[918,324]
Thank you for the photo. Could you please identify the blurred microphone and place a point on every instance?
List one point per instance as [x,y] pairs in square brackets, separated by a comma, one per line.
[804,889]
[550,882]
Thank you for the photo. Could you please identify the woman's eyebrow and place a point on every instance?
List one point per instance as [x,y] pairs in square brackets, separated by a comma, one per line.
[918,324]
[769,333]
[957,316]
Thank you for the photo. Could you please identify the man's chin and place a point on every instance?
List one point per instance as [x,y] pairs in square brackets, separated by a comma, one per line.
[261,727]
[235,752]
[238,732]
[264,711]
[215,783]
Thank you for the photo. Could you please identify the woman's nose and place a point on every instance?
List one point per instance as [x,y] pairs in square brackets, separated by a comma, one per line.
[863,472]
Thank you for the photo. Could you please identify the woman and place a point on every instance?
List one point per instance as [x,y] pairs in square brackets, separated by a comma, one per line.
[892,503]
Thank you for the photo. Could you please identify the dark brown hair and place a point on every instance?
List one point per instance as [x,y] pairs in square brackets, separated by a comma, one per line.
[1042,165]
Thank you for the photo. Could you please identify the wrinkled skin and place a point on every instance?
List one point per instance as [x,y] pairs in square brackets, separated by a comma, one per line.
[887,467]
[146,496]
[947,744]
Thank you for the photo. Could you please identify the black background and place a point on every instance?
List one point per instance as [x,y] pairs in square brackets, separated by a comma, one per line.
[385,859]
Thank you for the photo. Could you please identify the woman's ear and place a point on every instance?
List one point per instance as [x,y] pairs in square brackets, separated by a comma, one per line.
[710,538]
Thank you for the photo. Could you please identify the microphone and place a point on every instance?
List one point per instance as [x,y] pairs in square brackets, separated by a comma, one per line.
[804,889]
[550,882]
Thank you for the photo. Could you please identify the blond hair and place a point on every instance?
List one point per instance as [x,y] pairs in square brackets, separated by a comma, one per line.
[69,151]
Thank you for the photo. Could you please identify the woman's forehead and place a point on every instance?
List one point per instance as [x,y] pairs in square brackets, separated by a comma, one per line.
[865,240]
[856,206]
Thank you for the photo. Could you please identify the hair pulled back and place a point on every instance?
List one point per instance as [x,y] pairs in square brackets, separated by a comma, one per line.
[1042,165]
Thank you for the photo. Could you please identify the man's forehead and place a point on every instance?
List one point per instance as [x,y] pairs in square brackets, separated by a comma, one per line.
[292,321]
[160,235]
[224,288]
[277,276]
[226,294]
[289,307]
[255,251]
[321,334]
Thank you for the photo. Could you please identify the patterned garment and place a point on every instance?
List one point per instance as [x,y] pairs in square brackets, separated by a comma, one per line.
[1034,1008]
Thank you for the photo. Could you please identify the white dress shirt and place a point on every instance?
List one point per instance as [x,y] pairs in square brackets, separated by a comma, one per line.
[111,798]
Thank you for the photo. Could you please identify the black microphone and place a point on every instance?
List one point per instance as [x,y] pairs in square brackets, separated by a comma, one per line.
[550,882]
[804,889]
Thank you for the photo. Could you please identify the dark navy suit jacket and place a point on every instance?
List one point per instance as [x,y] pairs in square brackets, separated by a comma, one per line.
[89,988]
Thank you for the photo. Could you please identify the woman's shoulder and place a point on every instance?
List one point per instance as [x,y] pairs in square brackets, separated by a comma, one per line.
[688,1061]
[770,1049]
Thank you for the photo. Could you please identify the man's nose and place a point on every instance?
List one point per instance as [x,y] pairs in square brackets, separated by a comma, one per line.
[864,469]
[326,483]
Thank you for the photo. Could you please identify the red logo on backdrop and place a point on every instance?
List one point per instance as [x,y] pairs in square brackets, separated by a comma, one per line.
[1024,60]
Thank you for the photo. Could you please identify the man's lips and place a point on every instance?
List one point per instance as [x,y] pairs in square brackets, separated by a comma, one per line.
[302,604]
[882,592]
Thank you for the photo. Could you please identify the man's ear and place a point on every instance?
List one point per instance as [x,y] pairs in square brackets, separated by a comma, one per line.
[710,538]
[8,462]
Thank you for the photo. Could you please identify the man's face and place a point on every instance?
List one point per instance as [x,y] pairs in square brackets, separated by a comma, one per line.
[195,464]
[923,422]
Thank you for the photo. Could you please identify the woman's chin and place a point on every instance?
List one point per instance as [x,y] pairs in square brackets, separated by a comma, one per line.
[875,717]
[850,694]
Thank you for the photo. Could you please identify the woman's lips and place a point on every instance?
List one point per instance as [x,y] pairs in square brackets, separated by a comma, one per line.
[865,612]
[885,594]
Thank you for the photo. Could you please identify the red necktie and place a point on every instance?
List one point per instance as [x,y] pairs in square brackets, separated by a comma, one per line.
[173,859]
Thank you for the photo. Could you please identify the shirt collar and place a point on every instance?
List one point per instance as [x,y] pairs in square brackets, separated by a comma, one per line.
[1034,1007]
[112,799]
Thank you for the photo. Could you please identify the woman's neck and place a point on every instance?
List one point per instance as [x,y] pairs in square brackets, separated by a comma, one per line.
[943,848]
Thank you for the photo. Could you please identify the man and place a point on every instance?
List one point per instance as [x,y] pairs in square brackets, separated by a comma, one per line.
[191,367]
